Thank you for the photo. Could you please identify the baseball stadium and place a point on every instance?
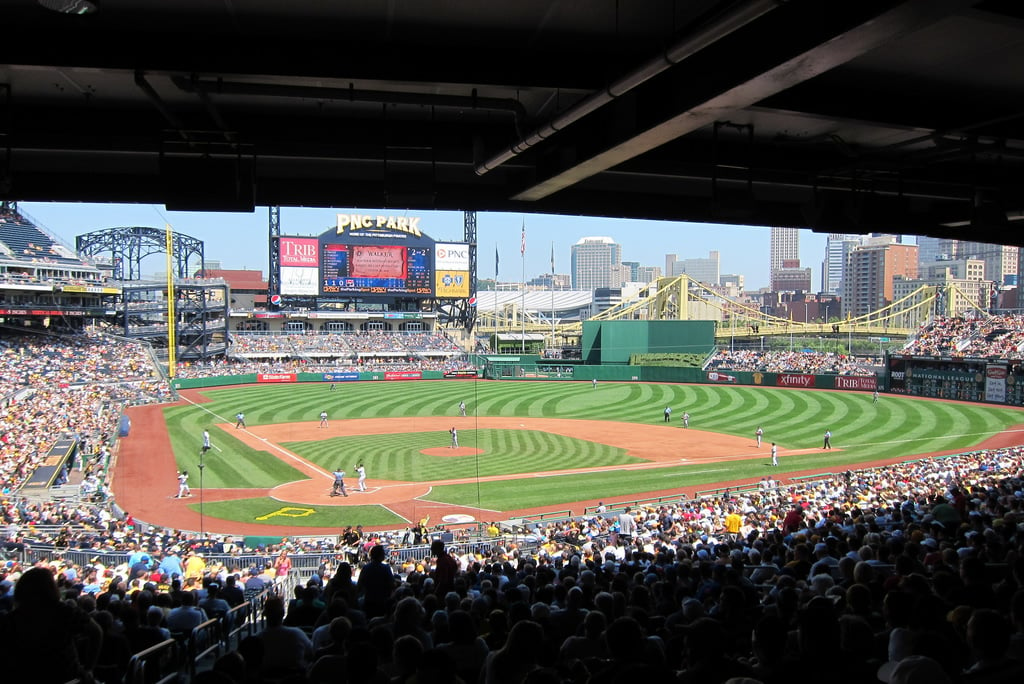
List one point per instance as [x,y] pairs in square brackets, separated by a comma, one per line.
[372,403]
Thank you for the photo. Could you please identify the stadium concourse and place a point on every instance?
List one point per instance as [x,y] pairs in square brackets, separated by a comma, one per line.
[911,565]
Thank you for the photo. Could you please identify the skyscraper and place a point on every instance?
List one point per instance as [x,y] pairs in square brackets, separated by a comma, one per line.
[870,270]
[930,250]
[1000,261]
[703,270]
[837,247]
[596,262]
[785,246]
[783,253]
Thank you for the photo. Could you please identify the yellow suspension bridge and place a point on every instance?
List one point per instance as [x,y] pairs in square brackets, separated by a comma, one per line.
[682,298]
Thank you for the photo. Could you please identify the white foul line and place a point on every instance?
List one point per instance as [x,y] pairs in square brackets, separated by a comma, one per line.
[294,457]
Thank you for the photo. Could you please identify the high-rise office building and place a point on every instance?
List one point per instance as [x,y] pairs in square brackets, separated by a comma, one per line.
[869,274]
[930,250]
[784,246]
[647,274]
[783,255]
[700,269]
[1001,262]
[670,264]
[596,262]
[837,247]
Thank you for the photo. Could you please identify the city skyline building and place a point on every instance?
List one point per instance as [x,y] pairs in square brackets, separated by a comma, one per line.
[784,245]
[837,248]
[702,269]
[1001,262]
[783,254]
[930,250]
[870,272]
[596,262]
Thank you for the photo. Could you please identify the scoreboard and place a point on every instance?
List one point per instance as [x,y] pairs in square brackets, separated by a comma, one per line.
[373,256]
[376,269]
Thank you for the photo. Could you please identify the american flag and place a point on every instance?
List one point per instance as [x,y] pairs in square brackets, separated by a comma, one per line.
[522,243]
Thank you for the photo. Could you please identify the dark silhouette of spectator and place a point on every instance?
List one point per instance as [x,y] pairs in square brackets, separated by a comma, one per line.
[467,649]
[286,650]
[376,583]
[518,657]
[47,640]
[305,611]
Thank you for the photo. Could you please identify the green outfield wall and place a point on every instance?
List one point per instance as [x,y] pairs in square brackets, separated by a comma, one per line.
[606,343]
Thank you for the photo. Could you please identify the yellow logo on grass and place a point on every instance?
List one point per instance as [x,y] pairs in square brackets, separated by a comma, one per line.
[288,512]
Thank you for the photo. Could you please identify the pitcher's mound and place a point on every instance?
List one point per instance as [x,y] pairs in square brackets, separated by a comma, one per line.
[448,451]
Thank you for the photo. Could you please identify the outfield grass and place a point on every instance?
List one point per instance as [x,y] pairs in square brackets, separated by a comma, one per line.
[796,419]
[398,457]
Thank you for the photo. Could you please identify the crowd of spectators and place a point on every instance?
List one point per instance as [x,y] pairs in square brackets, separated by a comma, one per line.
[343,345]
[66,387]
[978,336]
[768,361]
[911,572]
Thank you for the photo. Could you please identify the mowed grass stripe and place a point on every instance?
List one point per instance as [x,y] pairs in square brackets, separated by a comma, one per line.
[507,452]
[895,427]
[726,414]
[232,464]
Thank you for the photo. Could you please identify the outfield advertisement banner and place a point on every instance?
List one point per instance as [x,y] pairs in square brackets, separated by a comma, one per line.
[460,373]
[340,377]
[715,376]
[995,383]
[856,382]
[275,377]
[403,375]
[788,380]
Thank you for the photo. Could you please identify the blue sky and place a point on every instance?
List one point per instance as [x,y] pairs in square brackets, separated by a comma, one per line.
[239,240]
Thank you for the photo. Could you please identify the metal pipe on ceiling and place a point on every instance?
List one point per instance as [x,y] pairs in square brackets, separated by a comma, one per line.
[351,94]
[714,31]
[154,97]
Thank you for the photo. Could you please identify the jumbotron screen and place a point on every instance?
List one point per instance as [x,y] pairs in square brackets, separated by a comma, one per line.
[376,269]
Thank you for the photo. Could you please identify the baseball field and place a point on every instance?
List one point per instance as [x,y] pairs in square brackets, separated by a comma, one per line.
[523,447]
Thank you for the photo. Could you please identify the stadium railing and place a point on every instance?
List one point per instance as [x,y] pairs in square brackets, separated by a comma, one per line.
[718,491]
[158,664]
[816,477]
[622,505]
[549,515]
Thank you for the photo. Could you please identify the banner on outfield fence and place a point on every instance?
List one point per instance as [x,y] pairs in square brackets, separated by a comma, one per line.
[789,380]
[340,377]
[403,375]
[715,376]
[460,373]
[275,377]
[856,382]
[995,383]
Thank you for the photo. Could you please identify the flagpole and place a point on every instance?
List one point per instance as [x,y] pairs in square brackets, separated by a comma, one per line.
[552,294]
[522,305]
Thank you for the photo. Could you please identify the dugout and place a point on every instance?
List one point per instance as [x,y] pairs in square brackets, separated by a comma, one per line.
[608,343]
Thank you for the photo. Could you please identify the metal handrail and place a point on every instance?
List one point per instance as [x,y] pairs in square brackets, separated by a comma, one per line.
[139,661]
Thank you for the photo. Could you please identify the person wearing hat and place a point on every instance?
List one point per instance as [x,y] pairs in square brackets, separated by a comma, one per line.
[170,565]
[141,568]
[183,488]
[195,566]
[254,583]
